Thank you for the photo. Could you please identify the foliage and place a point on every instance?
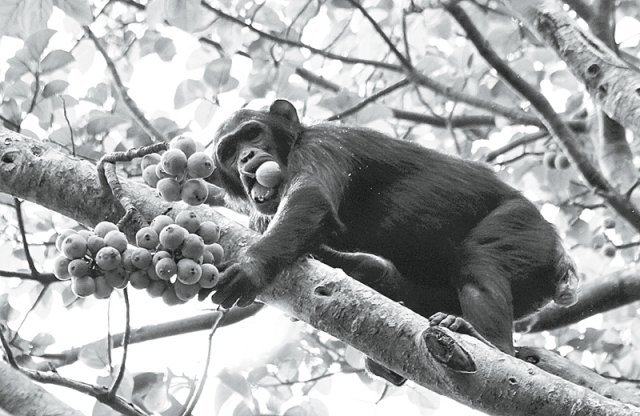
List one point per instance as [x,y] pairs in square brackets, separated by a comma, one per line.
[187,64]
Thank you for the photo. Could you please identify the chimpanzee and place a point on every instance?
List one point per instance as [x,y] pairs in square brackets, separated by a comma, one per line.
[466,243]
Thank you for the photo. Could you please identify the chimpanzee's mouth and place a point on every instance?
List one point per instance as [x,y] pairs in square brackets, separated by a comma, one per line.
[261,194]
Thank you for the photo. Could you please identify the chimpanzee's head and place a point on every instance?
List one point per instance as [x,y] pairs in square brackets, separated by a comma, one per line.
[245,142]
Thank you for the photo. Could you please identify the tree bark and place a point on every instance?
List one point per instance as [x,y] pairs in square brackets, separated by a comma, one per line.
[614,86]
[19,396]
[450,364]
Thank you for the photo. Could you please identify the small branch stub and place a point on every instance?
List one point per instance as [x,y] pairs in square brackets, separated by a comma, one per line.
[446,350]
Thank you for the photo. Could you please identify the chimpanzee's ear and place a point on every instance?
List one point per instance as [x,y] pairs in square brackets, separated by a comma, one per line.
[284,108]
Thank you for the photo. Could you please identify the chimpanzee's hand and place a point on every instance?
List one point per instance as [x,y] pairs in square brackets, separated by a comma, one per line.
[240,282]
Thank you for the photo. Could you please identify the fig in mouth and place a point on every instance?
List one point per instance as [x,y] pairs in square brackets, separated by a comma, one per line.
[260,193]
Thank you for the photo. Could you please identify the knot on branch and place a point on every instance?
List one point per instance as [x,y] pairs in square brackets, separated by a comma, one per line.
[446,350]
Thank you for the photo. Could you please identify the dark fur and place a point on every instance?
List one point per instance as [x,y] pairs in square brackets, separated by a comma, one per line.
[469,244]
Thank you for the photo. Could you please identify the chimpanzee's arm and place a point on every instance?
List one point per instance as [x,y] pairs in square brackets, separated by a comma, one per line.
[306,217]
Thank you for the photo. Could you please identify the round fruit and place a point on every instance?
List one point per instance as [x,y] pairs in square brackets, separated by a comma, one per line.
[159,222]
[139,279]
[174,162]
[103,289]
[269,174]
[147,237]
[85,234]
[561,162]
[186,144]
[94,244]
[209,231]
[169,297]
[117,240]
[194,192]
[108,258]
[64,234]
[188,220]
[209,276]
[161,174]
[141,258]
[192,247]
[189,272]
[172,236]
[200,165]
[61,268]
[166,269]
[151,273]
[549,160]
[609,223]
[156,288]
[79,268]
[159,256]
[169,189]
[149,176]
[127,262]
[185,292]
[104,227]
[149,160]
[217,251]
[207,257]
[83,286]
[116,278]
[609,250]
[74,246]
[598,242]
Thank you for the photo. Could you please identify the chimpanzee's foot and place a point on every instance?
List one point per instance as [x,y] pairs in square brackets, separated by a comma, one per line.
[457,324]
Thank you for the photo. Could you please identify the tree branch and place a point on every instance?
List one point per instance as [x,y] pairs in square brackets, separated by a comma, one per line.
[323,297]
[137,114]
[553,122]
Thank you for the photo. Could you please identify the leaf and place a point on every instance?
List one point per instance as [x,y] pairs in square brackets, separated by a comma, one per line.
[185,14]
[11,110]
[55,60]
[103,123]
[61,136]
[165,49]
[218,72]
[204,113]
[242,410]
[37,42]
[237,383]
[188,91]
[21,18]
[95,355]
[40,342]
[80,10]
[54,87]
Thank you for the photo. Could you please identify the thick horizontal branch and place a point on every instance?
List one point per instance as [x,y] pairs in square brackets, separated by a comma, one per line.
[324,297]
[597,296]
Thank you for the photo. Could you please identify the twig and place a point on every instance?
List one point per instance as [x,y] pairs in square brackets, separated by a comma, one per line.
[23,234]
[524,140]
[137,114]
[403,60]
[36,89]
[31,309]
[317,51]
[66,117]
[110,183]
[12,124]
[362,104]
[7,349]
[312,379]
[125,346]
[205,371]
[43,278]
